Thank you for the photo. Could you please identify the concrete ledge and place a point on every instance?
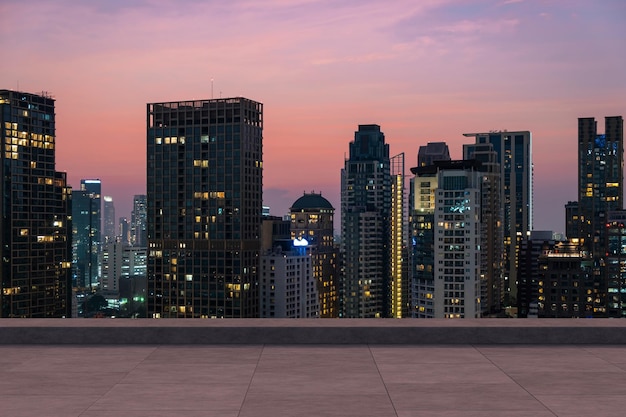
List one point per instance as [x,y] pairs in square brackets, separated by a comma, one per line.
[302,331]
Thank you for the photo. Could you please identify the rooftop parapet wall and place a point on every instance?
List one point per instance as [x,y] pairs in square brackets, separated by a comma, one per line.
[311,331]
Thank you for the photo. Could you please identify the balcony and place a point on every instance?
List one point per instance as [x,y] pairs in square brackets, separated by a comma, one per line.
[511,368]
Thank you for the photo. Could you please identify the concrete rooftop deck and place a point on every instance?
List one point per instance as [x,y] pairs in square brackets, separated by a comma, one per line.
[307,379]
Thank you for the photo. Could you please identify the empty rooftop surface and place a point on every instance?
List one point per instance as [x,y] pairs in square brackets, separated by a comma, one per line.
[347,378]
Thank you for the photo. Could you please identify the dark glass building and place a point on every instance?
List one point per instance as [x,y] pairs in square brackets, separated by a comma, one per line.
[87,218]
[35,225]
[514,154]
[204,202]
[365,287]
[600,191]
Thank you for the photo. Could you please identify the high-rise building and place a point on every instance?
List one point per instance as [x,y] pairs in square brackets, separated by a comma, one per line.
[528,297]
[514,150]
[600,191]
[108,228]
[446,240]
[287,284]
[365,288]
[204,200]
[573,223]
[399,288]
[492,227]
[120,261]
[616,263]
[35,212]
[600,177]
[86,217]
[138,218]
[312,221]
[124,231]
[565,274]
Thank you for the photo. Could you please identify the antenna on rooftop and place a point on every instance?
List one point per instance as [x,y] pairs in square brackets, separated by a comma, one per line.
[211,88]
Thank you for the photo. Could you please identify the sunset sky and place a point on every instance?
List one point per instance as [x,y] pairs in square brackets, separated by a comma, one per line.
[424,70]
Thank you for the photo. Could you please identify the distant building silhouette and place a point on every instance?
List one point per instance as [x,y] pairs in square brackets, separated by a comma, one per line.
[108,227]
[35,212]
[204,198]
[138,221]
[87,219]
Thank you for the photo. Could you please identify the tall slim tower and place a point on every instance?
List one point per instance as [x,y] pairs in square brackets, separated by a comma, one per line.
[600,191]
[492,230]
[86,215]
[365,288]
[138,220]
[204,199]
[35,214]
[600,177]
[108,227]
[514,154]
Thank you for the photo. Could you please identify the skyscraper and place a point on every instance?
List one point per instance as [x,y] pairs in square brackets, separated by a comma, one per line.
[86,216]
[365,288]
[446,239]
[108,227]
[600,178]
[312,220]
[204,200]
[600,191]
[514,154]
[35,211]
[492,230]
[138,220]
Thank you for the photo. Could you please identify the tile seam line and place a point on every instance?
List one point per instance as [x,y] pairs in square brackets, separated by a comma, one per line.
[513,379]
[154,349]
[251,379]
[369,348]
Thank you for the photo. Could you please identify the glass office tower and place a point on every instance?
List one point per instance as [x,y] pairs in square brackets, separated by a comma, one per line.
[204,204]
[35,222]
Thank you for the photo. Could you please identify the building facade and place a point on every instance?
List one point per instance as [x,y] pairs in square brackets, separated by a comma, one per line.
[312,220]
[446,240]
[288,287]
[35,222]
[108,215]
[600,191]
[87,219]
[138,221]
[364,289]
[492,228]
[514,154]
[204,202]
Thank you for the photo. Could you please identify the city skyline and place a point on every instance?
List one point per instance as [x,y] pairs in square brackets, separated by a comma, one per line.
[424,72]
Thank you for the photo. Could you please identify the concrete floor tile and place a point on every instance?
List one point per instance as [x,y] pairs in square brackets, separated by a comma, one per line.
[44,405]
[155,413]
[186,373]
[472,413]
[585,405]
[57,383]
[426,354]
[226,355]
[173,397]
[305,404]
[612,354]
[452,396]
[571,382]
[471,373]
[319,383]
